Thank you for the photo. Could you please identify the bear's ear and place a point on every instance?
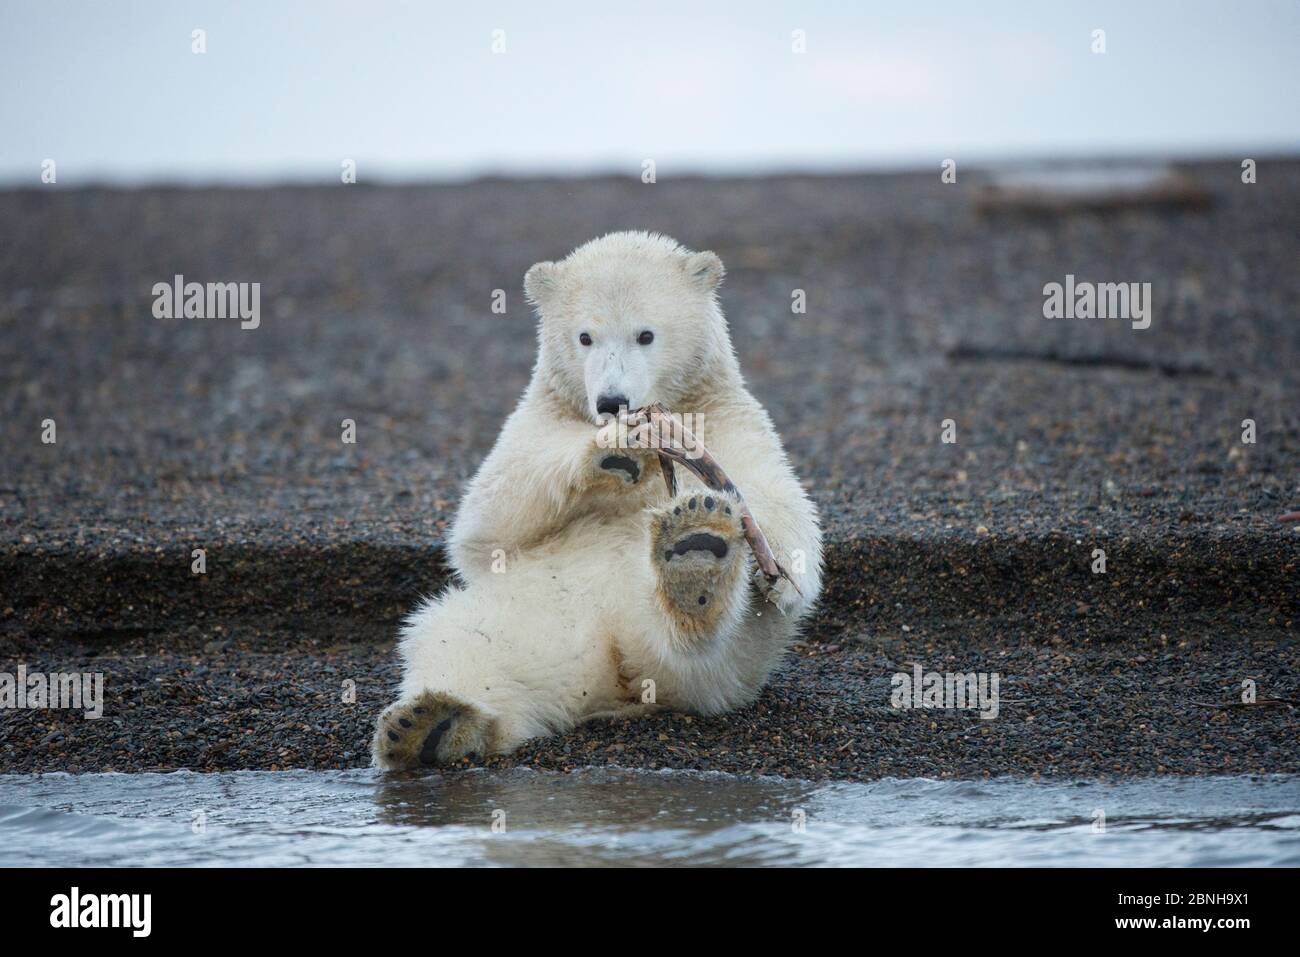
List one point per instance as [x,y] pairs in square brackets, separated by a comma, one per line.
[540,283]
[705,269]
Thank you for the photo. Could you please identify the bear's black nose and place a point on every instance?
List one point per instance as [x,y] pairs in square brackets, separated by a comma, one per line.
[610,404]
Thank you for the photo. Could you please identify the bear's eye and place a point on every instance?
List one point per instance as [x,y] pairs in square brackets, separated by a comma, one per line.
[646,338]
[585,339]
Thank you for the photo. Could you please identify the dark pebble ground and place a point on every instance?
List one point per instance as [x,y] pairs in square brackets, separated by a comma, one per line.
[1069,707]
[1072,435]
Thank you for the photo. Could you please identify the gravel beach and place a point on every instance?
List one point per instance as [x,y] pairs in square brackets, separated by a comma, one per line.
[1072,435]
[1069,707]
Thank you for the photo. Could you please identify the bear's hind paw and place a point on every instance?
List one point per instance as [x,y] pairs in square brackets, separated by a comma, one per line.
[433,729]
[699,555]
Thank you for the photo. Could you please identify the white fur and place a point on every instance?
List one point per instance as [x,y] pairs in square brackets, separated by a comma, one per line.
[536,645]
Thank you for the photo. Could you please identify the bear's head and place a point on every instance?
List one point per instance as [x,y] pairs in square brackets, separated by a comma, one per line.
[629,319]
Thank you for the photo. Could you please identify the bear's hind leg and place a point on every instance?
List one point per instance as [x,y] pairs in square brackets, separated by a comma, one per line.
[701,561]
[431,729]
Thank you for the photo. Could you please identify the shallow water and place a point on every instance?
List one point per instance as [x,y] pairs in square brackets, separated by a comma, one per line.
[639,818]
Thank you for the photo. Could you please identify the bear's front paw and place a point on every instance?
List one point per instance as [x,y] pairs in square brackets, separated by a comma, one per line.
[430,730]
[625,450]
[627,465]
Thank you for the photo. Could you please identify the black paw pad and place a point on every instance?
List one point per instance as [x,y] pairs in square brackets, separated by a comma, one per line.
[621,463]
[708,502]
[701,542]
[429,750]
[691,504]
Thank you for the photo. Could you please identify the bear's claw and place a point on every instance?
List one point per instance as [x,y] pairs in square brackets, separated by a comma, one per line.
[431,730]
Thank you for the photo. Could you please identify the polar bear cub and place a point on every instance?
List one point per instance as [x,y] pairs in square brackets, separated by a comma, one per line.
[583,588]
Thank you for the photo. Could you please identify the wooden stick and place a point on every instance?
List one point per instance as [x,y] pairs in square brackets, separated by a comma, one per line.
[706,468]
[1289,702]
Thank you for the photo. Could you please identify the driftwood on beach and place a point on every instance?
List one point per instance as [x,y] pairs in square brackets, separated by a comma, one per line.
[672,440]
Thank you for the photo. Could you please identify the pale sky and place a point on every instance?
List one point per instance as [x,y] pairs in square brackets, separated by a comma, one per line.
[412,90]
